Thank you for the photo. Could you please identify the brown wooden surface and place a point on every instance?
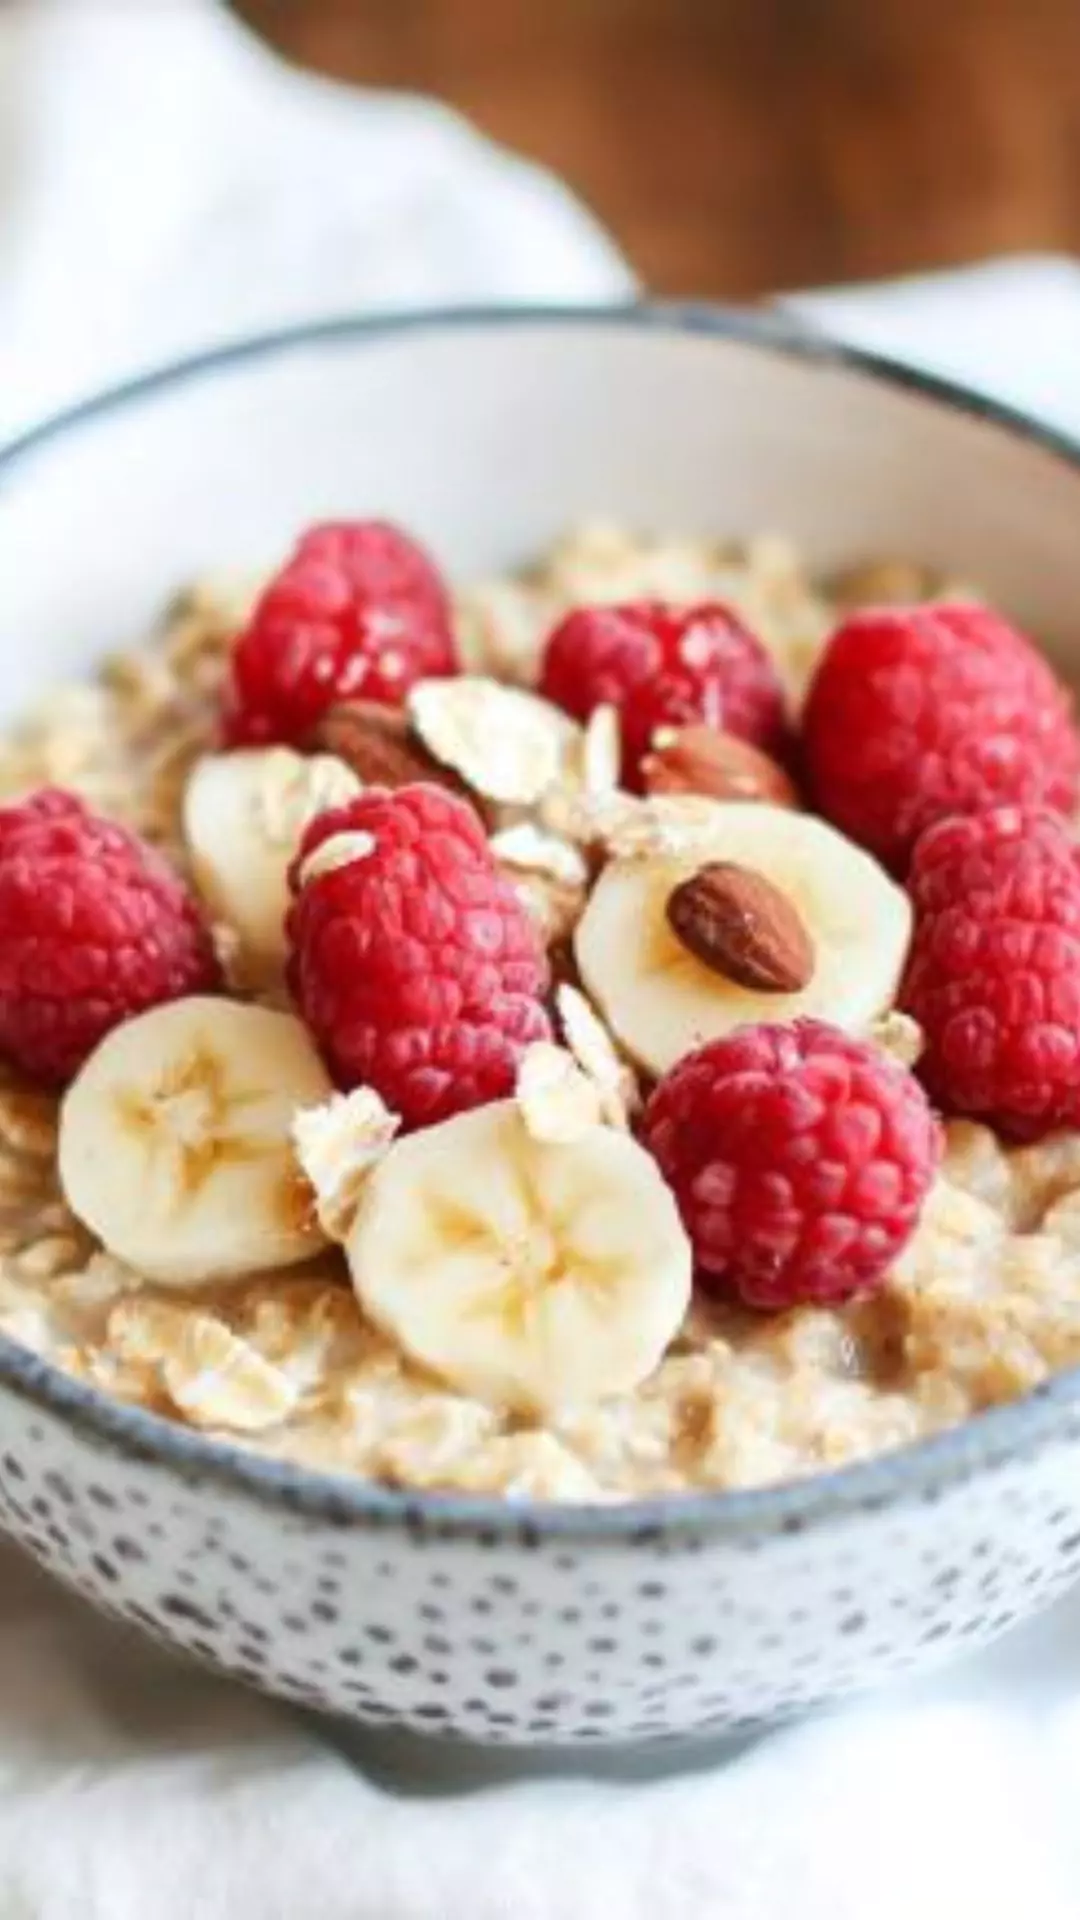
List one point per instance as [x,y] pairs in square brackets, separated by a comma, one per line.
[738,146]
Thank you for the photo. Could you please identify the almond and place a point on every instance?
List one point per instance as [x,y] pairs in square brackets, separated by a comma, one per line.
[379,744]
[737,923]
[703,760]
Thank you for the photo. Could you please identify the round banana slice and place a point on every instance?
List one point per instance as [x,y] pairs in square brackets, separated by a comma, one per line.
[243,816]
[662,1002]
[175,1144]
[532,1275]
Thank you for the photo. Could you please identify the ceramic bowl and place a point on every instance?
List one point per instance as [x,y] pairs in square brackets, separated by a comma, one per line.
[498,1621]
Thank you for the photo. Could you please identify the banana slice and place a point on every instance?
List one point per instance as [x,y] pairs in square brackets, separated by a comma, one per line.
[661,1002]
[530,1274]
[175,1146]
[243,816]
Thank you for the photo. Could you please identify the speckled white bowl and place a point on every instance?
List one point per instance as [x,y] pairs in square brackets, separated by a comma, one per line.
[488,433]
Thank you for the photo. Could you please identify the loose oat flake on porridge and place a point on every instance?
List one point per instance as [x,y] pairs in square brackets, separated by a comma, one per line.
[427,1142]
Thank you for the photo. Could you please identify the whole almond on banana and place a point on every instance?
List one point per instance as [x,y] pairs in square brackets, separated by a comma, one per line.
[701,759]
[659,1001]
[379,744]
[737,923]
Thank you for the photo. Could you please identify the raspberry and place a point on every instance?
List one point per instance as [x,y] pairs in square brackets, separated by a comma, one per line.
[416,967]
[664,667]
[918,712]
[800,1159]
[94,927]
[993,977]
[358,612]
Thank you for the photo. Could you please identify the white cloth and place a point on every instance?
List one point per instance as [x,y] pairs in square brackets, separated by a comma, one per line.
[132,1785]
[1008,327]
[166,182]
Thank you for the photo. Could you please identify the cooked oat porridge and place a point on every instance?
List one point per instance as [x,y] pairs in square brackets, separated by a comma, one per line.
[332,1230]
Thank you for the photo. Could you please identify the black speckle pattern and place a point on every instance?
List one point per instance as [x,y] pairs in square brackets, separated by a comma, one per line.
[516,1635]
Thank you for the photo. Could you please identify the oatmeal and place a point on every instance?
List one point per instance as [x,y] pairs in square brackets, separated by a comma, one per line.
[650,1391]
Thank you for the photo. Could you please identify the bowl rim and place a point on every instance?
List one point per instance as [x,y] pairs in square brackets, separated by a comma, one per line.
[919,1469]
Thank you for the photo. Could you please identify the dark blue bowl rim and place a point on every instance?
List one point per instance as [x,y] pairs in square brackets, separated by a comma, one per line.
[910,1473]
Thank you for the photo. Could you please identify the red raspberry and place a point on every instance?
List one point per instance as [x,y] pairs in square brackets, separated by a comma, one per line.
[800,1159]
[94,927]
[359,612]
[664,667]
[993,977]
[416,966]
[917,712]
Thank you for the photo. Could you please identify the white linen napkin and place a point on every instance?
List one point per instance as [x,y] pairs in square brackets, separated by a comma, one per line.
[166,182]
[1008,327]
[132,1784]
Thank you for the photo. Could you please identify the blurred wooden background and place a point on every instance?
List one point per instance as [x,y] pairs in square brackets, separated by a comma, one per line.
[739,146]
